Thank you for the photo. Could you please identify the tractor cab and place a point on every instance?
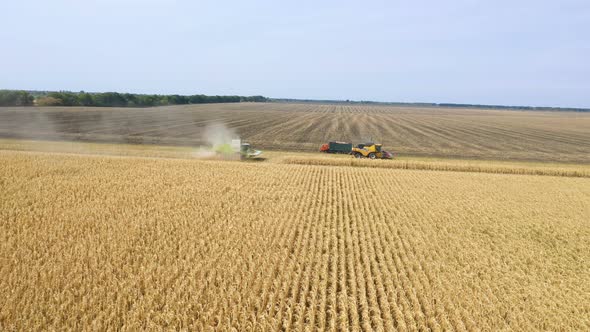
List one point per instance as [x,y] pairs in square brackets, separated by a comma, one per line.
[245,147]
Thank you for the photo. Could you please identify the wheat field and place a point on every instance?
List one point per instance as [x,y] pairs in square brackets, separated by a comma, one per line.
[441,132]
[133,243]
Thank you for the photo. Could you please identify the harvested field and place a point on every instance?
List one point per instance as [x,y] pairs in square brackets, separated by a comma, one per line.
[445,132]
[130,243]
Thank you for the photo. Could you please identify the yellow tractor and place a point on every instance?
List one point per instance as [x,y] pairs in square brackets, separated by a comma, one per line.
[370,150]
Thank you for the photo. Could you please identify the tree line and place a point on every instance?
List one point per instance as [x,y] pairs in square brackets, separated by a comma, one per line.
[111,99]
[16,98]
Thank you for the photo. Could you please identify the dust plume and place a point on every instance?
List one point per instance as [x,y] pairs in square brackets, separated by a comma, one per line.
[218,138]
[216,134]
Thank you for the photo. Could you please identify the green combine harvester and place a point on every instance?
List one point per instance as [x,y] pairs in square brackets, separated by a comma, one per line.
[244,149]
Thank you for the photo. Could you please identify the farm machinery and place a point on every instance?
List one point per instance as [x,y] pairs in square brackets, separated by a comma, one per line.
[245,150]
[371,151]
[365,150]
[229,151]
[336,147]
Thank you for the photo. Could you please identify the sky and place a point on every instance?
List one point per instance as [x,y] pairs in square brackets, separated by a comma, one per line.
[525,52]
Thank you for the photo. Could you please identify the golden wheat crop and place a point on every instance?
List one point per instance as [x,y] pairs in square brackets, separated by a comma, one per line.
[450,165]
[97,242]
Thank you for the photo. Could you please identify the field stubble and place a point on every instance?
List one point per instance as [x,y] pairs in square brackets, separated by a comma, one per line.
[96,242]
[442,132]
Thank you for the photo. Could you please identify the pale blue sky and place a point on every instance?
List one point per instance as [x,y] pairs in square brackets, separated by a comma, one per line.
[487,52]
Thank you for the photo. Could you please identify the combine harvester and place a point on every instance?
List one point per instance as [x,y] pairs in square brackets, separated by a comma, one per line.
[244,149]
[235,150]
[366,150]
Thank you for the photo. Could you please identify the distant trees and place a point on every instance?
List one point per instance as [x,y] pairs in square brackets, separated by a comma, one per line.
[67,98]
[85,99]
[15,98]
[112,99]
[258,99]
[48,101]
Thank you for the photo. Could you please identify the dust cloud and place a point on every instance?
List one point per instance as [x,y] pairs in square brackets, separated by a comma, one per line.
[218,138]
[217,133]
[166,126]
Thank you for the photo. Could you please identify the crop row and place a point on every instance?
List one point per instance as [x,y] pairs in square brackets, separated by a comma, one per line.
[94,243]
[455,166]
